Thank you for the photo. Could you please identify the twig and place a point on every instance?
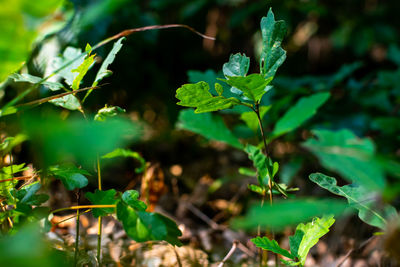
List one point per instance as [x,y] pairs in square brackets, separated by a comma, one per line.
[18,178]
[178,259]
[363,244]
[202,216]
[233,248]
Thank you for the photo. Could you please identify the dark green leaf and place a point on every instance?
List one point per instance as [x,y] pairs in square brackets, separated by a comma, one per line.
[71,176]
[288,212]
[304,109]
[68,101]
[369,210]
[143,226]
[102,198]
[272,54]
[198,96]
[261,163]
[130,197]
[271,245]
[207,125]
[350,156]
[119,152]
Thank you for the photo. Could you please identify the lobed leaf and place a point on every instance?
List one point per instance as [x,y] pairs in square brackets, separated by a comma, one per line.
[360,198]
[198,96]
[238,65]
[307,235]
[271,245]
[261,163]
[272,54]
[71,176]
[82,69]
[100,197]
[253,86]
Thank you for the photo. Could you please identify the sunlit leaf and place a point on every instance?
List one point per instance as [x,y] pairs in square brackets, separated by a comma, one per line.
[272,54]
[108,112]
[69,102]
[253,86]
[271,245]
[365,201]
[54,86]
[99,197]
[261,163]
[238,65]
[307,235]
[207,125]
[198,96]
[352,157]
[82,69]
[304,109]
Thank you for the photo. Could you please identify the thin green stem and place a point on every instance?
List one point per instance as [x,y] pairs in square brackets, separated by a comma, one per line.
[76,239]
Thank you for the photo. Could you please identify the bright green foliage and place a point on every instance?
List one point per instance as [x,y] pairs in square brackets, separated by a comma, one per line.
[288,212]
[16,36]
[238,65]
[250,117]
[56,140]
[83,68]
[71,176]
[263,164]
[99,197]
[272,54]
[271,245]
[53,86]
[359,197]
[119,152]
[304,109]
[7,173]
[10,142]
[103,71]
[253,86]
[130,197]
[207,125]
[71,59]
[108,112]
[350,156]
[144,226]
[307,235]
[68,101]
[198,96]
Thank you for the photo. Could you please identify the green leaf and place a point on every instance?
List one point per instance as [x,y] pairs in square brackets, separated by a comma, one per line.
[130,197]
[102,198]
[72,56]
[27,195]
[103,71]
[307,235]
[238,65]
[119,152]
[256,189]
[304,109]
[53,86]
[272,54]
[108,112]
[198,96]
[143,226]
[253,86]
[68,101]
[288,212]
[352,157]
[57,140]
[10,142]
[271,245]
[71,176]
[261,163]
[250,117]
[82,69]
[207,125]
[369,210]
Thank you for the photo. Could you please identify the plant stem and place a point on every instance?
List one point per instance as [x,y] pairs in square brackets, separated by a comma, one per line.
[77,234]
[100,218]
